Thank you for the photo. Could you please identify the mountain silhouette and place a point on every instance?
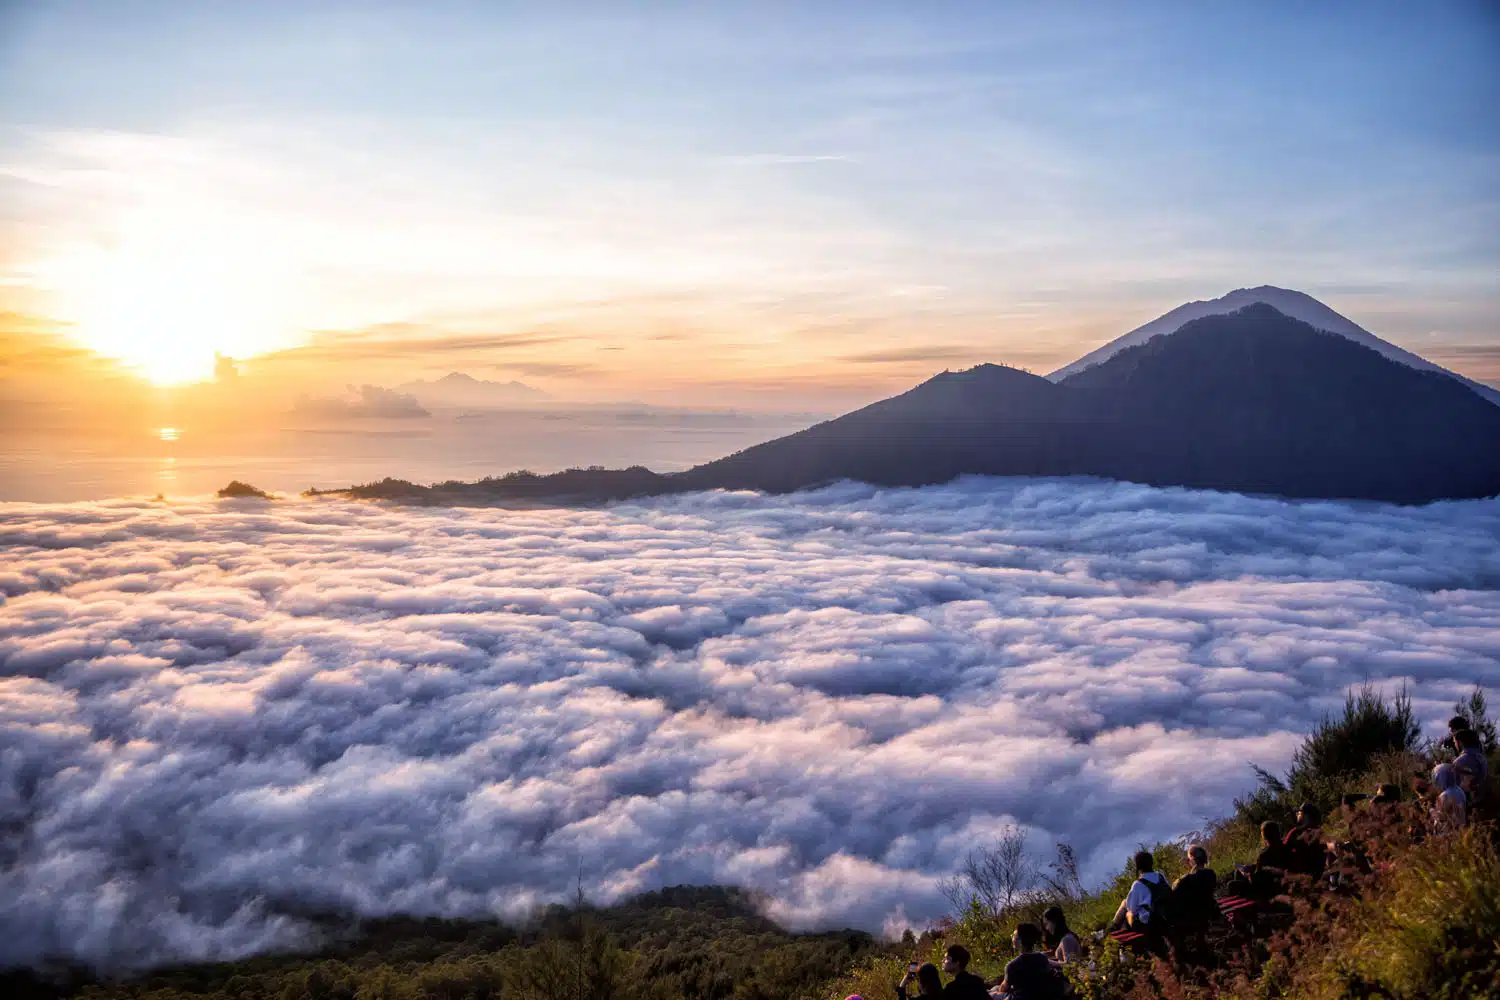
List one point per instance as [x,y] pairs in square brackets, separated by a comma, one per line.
[1297,305]
[1252,401]
[1248,399]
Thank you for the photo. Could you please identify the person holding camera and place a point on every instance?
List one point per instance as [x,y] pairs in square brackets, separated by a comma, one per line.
[929,983]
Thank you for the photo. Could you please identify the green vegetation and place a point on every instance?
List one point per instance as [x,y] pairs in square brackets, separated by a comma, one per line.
[699,943]
[1423,924]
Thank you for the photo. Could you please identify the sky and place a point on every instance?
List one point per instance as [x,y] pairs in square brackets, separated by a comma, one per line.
[739,203]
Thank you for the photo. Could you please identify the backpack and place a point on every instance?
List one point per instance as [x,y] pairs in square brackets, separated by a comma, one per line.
[1161,901]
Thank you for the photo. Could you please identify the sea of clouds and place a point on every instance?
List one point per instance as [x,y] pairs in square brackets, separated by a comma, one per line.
[217,716]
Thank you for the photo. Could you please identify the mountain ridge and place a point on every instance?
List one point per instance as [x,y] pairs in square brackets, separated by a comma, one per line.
[1252,401]
[1289,302]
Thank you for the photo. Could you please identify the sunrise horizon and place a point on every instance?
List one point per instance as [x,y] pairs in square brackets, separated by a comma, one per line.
[749,501]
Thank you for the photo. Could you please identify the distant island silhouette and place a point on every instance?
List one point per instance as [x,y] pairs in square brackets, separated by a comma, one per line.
[1251,400]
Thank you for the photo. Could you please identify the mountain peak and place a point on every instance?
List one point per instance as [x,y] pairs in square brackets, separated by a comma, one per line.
[1288,302]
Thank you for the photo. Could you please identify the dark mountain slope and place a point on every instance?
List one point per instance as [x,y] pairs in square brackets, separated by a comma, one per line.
[1251,400]
[988,419]
[1256,401]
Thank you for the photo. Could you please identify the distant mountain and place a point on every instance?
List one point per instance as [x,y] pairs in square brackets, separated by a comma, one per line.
[1297,305]
[1251,400]
[458,389]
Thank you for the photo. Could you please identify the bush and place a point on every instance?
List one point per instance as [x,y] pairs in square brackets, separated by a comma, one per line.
[1337,756]
[237,489]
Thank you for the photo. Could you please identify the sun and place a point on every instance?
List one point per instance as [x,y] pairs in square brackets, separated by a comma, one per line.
[166,296]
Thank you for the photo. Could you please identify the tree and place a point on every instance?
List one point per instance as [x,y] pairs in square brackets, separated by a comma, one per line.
[1062,876]
[996,877]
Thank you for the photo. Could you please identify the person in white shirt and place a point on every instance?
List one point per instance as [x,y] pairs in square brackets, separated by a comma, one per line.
[1450,809]
[1146,895]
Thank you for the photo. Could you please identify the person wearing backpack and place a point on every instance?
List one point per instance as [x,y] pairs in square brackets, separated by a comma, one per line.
[1147,906]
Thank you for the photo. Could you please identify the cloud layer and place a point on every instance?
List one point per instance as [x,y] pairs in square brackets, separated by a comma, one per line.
[217,717]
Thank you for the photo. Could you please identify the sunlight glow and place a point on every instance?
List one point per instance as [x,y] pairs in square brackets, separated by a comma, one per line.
[168,293]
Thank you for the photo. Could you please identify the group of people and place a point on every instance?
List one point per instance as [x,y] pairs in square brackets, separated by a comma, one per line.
[1457,787]
[1182,912]
[1032,975]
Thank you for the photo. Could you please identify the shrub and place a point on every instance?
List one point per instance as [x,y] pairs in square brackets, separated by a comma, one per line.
[1338,754]
[237,489]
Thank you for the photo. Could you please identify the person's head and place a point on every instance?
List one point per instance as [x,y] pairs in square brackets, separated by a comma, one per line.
[1466,739]
[1270,833]
[1458,722]
[1445,776]
[955,959]
[1309,815]
[929,983]
[1386,795]
[1143,862]
[1028,937]
[1197,856]
[1054,921]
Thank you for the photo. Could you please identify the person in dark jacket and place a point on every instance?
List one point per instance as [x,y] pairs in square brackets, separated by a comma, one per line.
[964,985]
[1304,842]
[1030,975]
[1193,894]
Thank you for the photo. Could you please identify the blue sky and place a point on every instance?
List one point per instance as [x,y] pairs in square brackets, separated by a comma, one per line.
[781,186]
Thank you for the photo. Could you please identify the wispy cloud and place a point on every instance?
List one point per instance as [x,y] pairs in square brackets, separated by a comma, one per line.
[900,355]
[404,342]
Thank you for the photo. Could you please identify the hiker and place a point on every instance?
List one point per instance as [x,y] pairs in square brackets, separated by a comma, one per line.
[929,983]
[1456,725]
[1061,943]
[964,985]
[1450,807]
[1193,894]
[1470,763]
[1030,975]
[1273,861]
[1273,852]
[1144,906]
[1304,842]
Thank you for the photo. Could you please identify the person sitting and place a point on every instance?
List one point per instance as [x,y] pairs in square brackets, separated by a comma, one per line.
[1030,975]
[1271,864]
[1456,725]
[964,985]
[1470,763]
[1273,852]
[1450,807]
[1061,943]
[929,983]
[1143,908]
[1193,894]
[1304,842]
